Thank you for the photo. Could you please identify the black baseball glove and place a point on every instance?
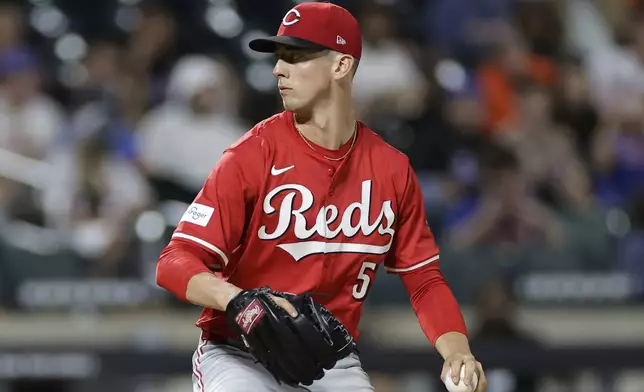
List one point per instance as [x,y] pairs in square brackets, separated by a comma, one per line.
[296,350]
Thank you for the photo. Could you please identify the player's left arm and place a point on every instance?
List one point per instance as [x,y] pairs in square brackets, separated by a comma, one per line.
[415,258]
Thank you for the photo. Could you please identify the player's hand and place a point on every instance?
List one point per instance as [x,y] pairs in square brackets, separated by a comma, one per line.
[281,302]
[285,304]
[472,366]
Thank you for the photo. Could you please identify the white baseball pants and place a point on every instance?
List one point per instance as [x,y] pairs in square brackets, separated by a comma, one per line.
[223,368]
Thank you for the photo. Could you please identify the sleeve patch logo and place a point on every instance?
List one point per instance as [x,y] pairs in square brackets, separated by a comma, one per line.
[198,214]
[250,316]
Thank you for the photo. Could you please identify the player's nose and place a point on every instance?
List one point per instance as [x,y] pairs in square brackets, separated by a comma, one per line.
[279,70]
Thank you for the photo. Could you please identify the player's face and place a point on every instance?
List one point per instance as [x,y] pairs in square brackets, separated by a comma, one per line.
[303,76]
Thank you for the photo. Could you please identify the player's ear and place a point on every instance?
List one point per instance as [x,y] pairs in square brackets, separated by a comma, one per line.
[342,65]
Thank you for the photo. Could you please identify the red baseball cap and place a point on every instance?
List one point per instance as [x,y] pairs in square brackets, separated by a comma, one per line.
[315,25]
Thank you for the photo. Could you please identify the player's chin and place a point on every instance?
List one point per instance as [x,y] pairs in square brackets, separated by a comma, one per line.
[290,105]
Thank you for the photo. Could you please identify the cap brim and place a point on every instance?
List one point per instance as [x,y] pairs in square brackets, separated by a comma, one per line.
[269,44]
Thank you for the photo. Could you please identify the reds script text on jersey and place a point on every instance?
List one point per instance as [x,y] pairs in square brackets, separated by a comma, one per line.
[275,212]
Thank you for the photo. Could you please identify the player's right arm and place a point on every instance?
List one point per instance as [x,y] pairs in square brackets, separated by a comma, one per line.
[212,227]
[205,289]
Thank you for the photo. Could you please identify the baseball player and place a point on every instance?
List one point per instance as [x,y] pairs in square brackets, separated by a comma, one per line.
[308,201]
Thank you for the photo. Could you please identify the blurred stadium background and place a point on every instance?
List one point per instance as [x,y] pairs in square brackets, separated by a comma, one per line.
[523,119]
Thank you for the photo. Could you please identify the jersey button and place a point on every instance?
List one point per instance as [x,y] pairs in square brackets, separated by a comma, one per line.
[330,192]
[331,172]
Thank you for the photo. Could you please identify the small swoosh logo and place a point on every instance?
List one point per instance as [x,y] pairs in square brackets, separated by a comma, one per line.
[277,172]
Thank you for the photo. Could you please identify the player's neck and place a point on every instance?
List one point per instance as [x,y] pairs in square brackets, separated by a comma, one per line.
[330,124]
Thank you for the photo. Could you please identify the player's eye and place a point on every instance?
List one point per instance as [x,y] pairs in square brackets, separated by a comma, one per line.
[296,56]
[291,57]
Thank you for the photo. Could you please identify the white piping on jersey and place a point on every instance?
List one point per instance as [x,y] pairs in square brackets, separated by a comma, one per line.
[413,267]
[201,242]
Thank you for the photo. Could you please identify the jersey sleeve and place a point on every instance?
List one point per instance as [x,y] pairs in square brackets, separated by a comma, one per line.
[414,246]
[216,219]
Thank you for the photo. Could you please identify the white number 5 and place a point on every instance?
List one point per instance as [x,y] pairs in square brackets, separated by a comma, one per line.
[361,288]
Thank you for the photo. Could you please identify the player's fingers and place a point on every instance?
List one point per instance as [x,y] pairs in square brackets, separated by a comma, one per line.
[286,305]
[445,371]
[455,365]
[470,368]
[482,379]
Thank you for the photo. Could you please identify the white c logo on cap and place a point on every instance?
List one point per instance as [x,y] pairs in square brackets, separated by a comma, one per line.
[295,19]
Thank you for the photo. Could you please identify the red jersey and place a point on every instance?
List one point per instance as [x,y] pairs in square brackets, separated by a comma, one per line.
[276,212]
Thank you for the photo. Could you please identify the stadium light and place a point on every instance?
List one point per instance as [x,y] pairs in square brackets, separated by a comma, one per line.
[48,21]
[224,21]
[450,75]
[259,76]
[127,18]
[70,47]
[72,74]
[150,226]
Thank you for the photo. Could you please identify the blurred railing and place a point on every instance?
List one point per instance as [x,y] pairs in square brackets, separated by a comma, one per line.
[24,170]
[77,363]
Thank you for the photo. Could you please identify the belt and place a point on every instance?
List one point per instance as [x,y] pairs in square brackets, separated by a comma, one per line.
[236,343]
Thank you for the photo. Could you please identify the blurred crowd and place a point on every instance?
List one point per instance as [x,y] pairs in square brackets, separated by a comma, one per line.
[523,119]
